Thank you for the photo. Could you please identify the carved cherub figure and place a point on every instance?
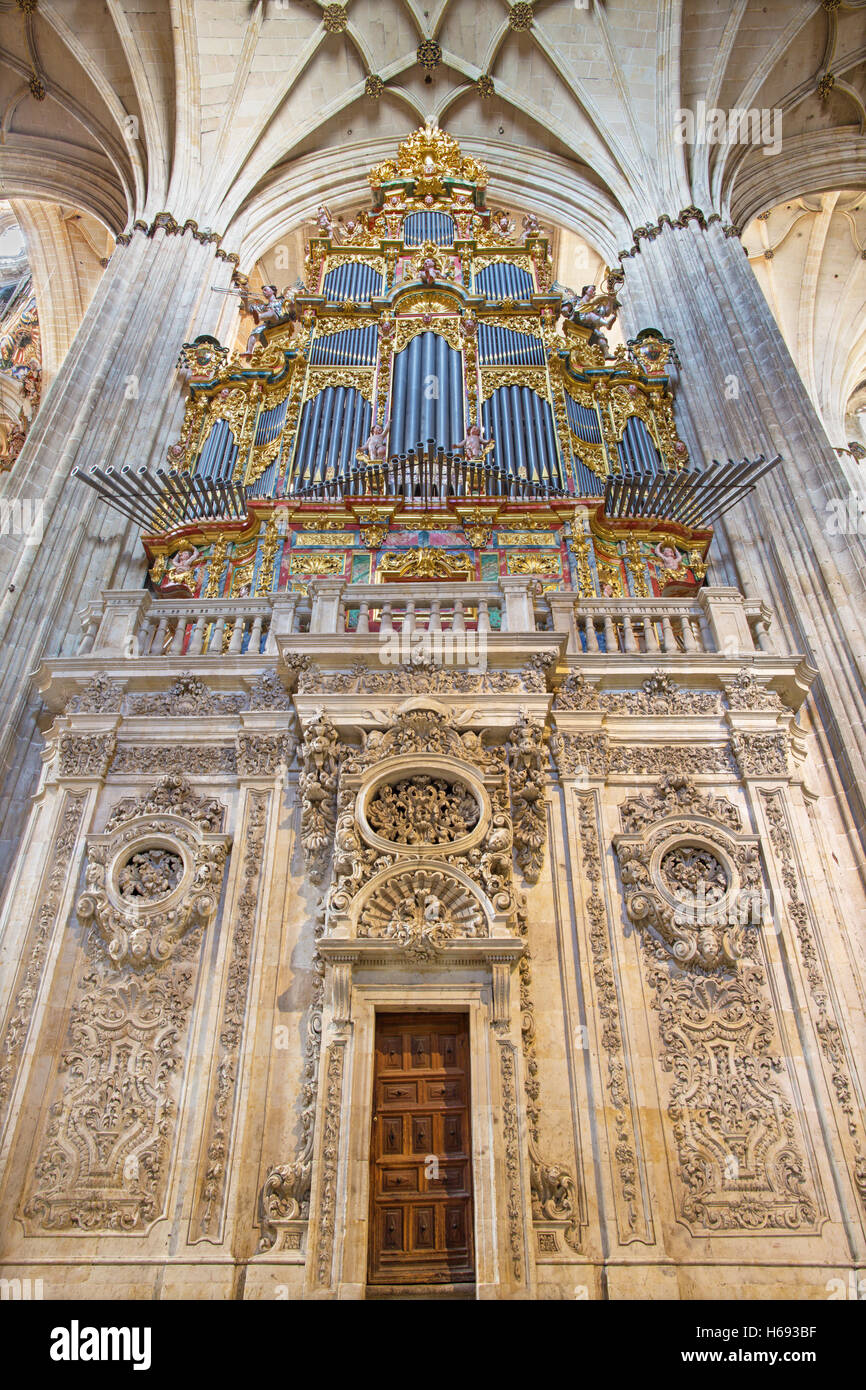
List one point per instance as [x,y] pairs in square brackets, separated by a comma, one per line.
[376,443]
[473,444]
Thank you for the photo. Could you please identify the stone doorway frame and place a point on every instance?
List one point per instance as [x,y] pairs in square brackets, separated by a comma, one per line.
[340,1196]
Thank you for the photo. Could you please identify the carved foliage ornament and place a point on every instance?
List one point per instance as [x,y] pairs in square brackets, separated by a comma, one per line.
[422,731]
[527,764]
[187,696]
[423,810]
[657,695]
[317,786]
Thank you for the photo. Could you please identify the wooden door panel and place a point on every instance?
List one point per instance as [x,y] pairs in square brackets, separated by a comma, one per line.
[421,1211]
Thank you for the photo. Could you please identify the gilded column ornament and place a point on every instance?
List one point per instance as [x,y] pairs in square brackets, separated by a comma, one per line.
[271,543]
[582,543]
[636,567]
[216,567]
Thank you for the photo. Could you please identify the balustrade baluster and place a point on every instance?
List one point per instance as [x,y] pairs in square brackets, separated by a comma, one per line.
[158,642]
[88,637]
[255,646]
[483,615]
[591,634]
[409,617]
[629,642]
[364,616]
[669,641]
[611,638]
[459,622]
[144,637]
[385,623]
[435,623]
[237,637]
[177,640]
[650,636]
[196,637]
[689,641]
[215,646]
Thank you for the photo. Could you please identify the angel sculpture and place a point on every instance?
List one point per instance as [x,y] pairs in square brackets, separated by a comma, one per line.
[376,444]
[268,310]
[596,312]
[324,221]
[427,274]
[530,226]
[502,224]
[474,445]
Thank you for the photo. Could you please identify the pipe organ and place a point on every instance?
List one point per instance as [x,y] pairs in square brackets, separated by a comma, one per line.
[427,372]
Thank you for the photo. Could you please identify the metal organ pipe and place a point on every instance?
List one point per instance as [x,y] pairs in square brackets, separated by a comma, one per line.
[333,438]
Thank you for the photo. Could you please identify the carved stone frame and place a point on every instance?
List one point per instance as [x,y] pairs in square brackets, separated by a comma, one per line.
[340,1196]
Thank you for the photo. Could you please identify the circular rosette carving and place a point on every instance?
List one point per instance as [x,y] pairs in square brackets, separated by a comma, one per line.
[432,809]
[694,875]
[149,875]
[423,810]
[422,909]
[148,883]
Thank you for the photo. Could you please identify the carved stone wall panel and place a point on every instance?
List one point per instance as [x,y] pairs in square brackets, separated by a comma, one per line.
[86,755]
[37,946]
[104,1158]
[317,788]
[208,1220]
[511,1146]
[822,1003]
[152,884]
[594,754]
[741,1158]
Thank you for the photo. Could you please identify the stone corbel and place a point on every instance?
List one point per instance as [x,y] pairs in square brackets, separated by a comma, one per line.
[341,987]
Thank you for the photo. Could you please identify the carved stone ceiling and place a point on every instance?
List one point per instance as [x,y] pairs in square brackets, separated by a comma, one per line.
[243,114]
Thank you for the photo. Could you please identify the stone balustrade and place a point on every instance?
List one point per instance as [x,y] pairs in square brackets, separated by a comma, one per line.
[136,624]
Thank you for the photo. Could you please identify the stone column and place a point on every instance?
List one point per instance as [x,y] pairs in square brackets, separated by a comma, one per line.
[740,394]
[115,400]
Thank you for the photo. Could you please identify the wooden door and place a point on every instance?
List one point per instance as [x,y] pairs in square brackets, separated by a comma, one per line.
[420,1155]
